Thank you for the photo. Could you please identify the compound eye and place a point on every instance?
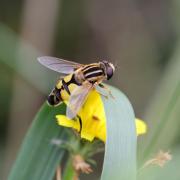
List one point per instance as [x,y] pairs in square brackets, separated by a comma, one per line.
[109,72]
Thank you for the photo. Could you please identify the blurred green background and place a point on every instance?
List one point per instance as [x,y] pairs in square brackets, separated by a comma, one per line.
[140,37]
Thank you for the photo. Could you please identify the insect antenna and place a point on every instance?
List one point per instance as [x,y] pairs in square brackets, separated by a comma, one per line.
[116,65]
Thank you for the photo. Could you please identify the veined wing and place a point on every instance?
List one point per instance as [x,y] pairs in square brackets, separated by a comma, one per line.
[77,99]
[59,65]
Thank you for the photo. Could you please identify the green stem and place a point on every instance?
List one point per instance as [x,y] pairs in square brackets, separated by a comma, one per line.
[69,172]
[169,109]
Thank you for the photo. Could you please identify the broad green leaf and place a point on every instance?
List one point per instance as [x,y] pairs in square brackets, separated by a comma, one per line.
[120,148]
[38,157]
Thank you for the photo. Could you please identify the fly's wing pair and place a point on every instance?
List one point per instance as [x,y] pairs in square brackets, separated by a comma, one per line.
[79,94]
[77,99]
[59,65]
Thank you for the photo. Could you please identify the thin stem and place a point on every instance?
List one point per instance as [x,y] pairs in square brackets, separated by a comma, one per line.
[69,172]
[169,109]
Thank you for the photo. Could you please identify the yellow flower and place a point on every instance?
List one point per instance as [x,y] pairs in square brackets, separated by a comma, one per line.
[91,121]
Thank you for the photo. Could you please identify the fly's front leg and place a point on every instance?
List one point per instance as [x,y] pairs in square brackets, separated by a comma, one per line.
[107,89]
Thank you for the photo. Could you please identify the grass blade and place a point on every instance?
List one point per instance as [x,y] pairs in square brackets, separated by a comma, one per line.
[38,158]
[120,150]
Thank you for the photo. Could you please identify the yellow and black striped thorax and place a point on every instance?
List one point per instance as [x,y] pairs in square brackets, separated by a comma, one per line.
[93,72]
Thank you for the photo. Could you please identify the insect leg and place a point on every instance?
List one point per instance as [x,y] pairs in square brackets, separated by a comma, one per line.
[107,89]
[106,96]
[80,123]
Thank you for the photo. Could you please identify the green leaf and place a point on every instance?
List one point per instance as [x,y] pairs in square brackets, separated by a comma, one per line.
[38,157]
[23,60]
[120,148]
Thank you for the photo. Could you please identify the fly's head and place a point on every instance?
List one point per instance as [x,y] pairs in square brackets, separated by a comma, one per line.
[108,69]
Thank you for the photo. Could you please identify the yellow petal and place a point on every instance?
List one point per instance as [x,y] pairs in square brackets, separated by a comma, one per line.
[64,121]
[141,127]
[89,134]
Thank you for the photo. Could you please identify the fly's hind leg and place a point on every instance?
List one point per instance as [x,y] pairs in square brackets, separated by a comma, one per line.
[96,85]
[106,96]
[107,89]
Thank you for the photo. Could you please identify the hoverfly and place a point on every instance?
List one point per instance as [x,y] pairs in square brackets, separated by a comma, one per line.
[85,77]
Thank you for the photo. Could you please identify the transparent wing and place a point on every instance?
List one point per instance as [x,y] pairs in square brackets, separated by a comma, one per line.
[77,99]
[59,65]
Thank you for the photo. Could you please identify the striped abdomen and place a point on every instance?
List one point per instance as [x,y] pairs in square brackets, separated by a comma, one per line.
[54,97]
[62,90]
